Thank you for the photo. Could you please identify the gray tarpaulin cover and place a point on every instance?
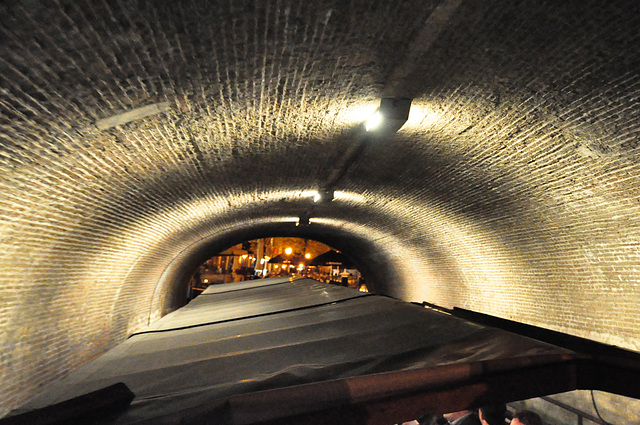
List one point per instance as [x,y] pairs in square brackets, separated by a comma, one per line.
[245,337]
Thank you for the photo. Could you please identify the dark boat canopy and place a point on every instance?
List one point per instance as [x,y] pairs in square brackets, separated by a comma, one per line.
[283,350]
[331,258]
[289,259]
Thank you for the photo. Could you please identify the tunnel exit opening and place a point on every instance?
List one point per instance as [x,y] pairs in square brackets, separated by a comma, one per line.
[277,256]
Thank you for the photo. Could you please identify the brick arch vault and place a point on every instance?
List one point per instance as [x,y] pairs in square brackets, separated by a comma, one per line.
[136,136]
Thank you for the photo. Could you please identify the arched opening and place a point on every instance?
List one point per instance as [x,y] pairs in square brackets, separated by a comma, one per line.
[372,257]
[278,256]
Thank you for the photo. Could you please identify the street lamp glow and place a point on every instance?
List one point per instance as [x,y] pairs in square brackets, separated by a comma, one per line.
[307,256]
[288,251]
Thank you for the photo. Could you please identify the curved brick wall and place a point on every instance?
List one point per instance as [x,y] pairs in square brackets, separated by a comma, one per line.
[512,190]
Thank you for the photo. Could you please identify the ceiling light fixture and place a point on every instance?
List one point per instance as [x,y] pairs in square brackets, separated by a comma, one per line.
[303,220]
[132,115]
[390,116]
[374,121]
[323,195]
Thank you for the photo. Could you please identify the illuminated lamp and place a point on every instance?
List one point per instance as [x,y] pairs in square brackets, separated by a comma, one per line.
[390,116]
[288,251]
[323,195]
[374,121]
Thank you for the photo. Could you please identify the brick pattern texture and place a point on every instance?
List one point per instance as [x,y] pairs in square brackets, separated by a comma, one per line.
[513,189]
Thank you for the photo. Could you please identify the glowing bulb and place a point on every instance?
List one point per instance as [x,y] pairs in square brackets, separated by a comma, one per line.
[307,256]
[324,196]
[206,280]
[288,251]
[373,122]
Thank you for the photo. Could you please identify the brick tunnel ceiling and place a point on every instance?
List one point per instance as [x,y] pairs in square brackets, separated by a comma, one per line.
[512,190]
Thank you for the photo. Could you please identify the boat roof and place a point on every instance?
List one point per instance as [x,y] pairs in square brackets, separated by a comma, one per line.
[281,349]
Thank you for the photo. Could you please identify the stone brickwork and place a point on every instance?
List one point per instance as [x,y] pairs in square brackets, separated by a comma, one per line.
[513,190]
[610,408]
